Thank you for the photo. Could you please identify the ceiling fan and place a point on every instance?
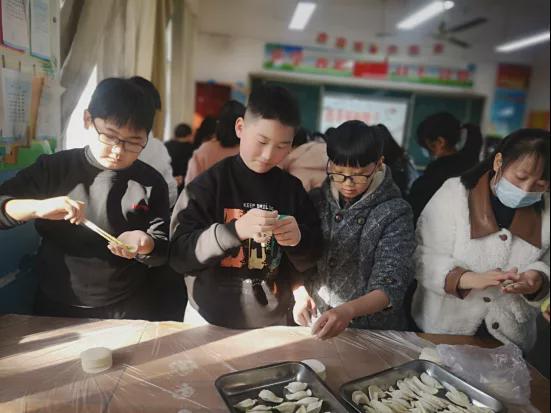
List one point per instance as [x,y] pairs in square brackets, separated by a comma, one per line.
[447,34]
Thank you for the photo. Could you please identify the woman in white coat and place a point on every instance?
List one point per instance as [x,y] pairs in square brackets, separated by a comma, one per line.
[480,232]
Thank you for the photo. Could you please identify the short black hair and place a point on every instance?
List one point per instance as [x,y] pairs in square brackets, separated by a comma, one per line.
[149,88]
[122,102]
[182,130]
[521,143]
[225,128]
[392,151]
[274,103]
[355,144]
[301,137]
[442,124]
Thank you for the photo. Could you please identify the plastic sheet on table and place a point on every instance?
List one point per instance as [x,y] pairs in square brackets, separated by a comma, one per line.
[166,366]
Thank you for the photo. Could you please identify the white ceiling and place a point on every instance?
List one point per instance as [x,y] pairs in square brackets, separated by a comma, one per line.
[267,20]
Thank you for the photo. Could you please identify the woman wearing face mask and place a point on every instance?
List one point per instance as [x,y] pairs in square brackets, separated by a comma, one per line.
[439,136]
[480,232]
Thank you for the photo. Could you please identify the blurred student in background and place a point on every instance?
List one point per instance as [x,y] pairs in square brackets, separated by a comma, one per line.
[440,135]
[224,144]
[403,170]
[180,149]
[308,160]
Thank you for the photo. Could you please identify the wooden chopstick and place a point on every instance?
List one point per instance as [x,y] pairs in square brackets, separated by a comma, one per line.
[104,234]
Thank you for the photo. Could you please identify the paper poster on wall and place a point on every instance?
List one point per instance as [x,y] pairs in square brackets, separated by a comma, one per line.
[48,124]
[16,91]
[14,24]
[40,28]
[338,108]
[507,113]
[508,110]
[324,61]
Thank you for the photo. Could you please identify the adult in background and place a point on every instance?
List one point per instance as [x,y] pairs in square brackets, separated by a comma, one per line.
[440,135]
[180,149]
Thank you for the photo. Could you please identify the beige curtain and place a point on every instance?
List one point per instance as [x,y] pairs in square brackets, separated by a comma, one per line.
[121,38]
[184,29]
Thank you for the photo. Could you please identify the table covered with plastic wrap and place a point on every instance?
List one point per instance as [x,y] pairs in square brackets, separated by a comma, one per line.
[170,367]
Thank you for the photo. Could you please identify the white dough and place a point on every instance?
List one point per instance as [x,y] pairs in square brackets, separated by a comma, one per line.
[96,360]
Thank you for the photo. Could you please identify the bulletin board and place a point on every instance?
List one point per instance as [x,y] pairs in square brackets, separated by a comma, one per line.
[309,94]
[30,93]
[337,108]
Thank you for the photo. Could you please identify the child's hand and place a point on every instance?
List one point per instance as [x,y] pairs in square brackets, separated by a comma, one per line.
[528,282]
[255,224]
[287,232]
[482,280]
[333,322]
[304,307]
[61,207]
[138,242]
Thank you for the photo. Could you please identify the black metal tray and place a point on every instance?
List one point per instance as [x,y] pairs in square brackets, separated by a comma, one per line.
[246,384]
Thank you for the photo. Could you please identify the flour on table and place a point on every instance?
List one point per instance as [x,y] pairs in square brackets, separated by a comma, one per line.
[183,391]
[183,367]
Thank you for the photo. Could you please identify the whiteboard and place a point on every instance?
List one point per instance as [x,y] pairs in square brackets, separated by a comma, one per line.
[338,108]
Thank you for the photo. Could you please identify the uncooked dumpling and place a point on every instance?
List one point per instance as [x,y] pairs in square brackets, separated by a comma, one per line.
[245,404]
[296,386]
[299,395]
[269,396]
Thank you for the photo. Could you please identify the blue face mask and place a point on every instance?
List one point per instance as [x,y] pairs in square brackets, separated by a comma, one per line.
[512,196]
[426,153]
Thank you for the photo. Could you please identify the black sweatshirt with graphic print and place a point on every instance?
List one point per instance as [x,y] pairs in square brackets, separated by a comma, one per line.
[73,263]
[233,283]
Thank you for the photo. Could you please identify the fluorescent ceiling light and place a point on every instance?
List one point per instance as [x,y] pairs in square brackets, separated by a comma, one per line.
[302,15]
[428,12]
[522,43]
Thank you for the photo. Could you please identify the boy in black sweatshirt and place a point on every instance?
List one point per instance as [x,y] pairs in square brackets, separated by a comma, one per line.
[240,229]
[80,275]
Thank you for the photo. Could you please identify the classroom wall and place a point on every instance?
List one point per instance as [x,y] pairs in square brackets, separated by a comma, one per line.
[538,93]
[229,59]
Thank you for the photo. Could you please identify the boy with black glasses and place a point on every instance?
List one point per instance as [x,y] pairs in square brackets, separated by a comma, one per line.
[366,266]
[80,274]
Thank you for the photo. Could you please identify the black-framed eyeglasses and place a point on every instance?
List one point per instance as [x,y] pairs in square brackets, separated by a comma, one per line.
[354,179]
[114,140]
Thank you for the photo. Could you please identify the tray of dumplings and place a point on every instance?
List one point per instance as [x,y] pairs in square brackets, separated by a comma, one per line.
[288,387]
[419,386]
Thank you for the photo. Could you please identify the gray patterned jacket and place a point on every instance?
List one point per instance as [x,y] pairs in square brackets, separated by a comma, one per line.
[367,246]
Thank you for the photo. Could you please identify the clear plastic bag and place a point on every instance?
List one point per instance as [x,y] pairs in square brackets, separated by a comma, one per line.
[501,371]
